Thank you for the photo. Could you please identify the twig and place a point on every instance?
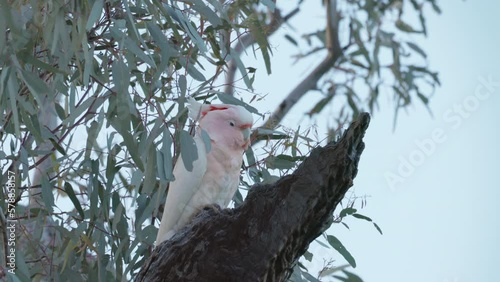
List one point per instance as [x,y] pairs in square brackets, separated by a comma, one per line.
[248,40]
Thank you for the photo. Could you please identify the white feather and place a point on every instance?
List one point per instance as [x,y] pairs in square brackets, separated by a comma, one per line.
[181,191]
[215,175]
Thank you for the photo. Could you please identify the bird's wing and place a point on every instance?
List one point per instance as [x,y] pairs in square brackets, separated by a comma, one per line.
[177,210]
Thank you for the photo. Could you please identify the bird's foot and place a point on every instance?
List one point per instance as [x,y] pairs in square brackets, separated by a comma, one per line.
[214,207]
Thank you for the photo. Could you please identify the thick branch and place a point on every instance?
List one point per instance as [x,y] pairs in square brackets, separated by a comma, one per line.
[263,238]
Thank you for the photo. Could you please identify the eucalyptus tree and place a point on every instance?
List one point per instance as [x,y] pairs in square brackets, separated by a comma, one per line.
[93,111]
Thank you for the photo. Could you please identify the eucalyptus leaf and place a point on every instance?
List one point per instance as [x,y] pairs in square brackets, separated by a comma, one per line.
[337,245]
[71,194]
[189,152]
[95,13]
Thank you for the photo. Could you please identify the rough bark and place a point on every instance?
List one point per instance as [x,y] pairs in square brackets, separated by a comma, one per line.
[263,238]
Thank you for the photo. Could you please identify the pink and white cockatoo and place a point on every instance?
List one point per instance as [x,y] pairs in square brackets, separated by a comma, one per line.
[216,173]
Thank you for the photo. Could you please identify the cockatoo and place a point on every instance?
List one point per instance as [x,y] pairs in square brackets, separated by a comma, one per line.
[216,173]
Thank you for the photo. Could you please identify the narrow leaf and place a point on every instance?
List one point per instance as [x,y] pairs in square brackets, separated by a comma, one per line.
[182,85]
[360,216]
[71,194]
[347,211]
[47,196]
[228,99]
[189,152]
[95,13]
[417,49]
[337,245]
[378,228]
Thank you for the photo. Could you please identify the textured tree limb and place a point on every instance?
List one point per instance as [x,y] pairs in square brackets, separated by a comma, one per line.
[310,81]
[263,238]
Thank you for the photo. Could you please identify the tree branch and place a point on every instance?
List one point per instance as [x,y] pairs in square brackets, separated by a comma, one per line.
[310,82]
[248,40]
[262,239]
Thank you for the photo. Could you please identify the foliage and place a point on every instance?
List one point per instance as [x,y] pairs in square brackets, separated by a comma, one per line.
[379,57]
[93,117]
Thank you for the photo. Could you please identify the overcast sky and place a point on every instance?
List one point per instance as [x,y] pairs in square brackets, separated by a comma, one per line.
[431,183]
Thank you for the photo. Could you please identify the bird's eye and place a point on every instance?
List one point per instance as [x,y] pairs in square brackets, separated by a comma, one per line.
[231,123]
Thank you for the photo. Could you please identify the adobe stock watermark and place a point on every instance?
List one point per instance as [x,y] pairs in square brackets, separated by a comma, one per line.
[11,224]
[454,116]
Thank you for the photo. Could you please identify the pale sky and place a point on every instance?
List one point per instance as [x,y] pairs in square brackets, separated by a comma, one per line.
[440,218]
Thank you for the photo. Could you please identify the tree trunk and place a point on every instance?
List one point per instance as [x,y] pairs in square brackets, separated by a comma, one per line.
[262,239]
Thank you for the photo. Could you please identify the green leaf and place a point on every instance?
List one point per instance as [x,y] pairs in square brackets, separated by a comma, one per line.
[189,152]
[165,161]
[378,228]
[95,13]
[351,277]
[329,270]
[92,133]
[417,49]
[35,85]
[182,85]
[264,133]
[206,12]
[258,31]
[291,39]
[321,104]
[424,99]
[192,70]
[132,148]
[337,245]
[191,31]
[347,211]
[57,146]
[23,160]
[436,7]
[47,196]
[32,123]
[12,88]
[233,55]
[150,171]
[131,46]
[121,76]
[270,4]
[61,113]
[118,211]
[309,277]
[42,65]
[296,275]
[360,216]
[403,26]
[229,99]
[282,161]
[22,271]
[78,111]
[206,140]
[111,167]
[71,194]
[308,256]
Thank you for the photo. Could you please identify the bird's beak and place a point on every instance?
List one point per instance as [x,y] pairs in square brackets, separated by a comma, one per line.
[246,133]
[246,137]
